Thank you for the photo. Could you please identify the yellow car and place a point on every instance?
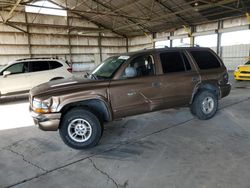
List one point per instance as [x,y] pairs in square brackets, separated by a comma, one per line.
[242,72]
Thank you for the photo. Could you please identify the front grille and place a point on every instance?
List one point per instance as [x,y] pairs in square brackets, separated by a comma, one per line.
[245,72]
[244,76]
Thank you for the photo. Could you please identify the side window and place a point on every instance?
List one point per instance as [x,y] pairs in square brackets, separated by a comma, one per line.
[36,66]
[172,62]
[144,65]
[18,68]
[54,64]
[205,59]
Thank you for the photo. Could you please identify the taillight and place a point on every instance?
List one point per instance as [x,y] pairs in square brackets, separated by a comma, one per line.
[70,69]
[224,79]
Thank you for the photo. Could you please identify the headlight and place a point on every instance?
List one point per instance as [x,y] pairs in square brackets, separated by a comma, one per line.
[45,106]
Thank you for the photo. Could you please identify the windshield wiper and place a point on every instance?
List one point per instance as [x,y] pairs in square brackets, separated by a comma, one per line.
[93,76]
[90,76]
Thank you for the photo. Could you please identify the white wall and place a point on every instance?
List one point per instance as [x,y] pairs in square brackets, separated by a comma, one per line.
[235,55]
[49,38]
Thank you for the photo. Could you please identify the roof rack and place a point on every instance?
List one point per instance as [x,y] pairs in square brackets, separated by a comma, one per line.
[37,58]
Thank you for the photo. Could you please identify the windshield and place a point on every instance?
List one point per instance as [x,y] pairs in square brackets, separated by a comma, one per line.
[247,63]
[109,67]
[1,67]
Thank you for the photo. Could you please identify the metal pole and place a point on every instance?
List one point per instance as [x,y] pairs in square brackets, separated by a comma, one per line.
[28,34]
[219,49]
[100,45]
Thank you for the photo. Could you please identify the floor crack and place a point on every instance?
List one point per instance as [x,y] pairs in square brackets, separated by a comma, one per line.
[111,149]
[25,160]
[104,173]
[14,144]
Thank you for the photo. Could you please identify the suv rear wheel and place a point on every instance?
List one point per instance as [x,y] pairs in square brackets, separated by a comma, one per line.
[205,104]
[80,129]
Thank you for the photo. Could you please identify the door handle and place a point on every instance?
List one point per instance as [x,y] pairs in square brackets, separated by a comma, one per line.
[195,79]
[131,93]
[156,84]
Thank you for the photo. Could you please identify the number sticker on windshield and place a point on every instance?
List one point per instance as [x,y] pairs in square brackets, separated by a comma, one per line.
[124,57]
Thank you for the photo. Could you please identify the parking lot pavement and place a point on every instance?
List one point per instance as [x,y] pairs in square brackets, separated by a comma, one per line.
[169,148]
[15,115]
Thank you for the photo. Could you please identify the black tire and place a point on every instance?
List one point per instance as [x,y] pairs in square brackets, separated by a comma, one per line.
[192,110]
[205,104]
[89,119]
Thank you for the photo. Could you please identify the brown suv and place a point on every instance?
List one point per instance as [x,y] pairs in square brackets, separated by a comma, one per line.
[130,84]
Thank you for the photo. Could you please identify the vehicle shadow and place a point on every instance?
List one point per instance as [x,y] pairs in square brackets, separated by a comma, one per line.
[14,100]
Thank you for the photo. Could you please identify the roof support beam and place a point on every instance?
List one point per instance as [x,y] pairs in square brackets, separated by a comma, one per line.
[144,29]
[128,4]
[179,17]
[10,15]
[86,18]
[223,6]
[202,7]
[108,13]
[13,25]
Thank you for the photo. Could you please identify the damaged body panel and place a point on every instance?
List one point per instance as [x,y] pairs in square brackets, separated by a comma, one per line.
[131,84]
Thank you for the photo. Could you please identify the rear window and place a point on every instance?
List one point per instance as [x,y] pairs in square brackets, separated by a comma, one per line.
[172,62]
[205,59]
[55,64]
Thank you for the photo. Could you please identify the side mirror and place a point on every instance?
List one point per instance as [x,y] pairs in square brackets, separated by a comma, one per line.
[130,72]
[6,73]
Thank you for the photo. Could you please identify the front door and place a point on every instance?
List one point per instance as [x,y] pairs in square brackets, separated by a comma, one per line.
[17,82]
[139,94]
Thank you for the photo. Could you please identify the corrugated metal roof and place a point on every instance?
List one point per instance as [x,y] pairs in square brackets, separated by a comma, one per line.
[134,17]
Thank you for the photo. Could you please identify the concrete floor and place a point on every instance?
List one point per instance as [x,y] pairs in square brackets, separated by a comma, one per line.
[169,149]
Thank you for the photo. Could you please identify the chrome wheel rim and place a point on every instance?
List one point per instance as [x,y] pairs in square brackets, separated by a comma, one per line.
[208,105]
[79,130]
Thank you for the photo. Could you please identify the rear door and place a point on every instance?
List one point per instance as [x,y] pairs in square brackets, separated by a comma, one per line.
[210,66]
[130,96]
[40,72]
[178,79]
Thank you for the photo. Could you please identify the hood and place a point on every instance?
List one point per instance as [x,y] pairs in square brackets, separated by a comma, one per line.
[66,86]
[2,67]
[244,67]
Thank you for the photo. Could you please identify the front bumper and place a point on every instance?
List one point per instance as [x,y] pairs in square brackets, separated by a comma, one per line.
[225,90]
[241,76]
[46,122]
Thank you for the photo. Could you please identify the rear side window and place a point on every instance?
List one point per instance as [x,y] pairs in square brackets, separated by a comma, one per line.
[55,64]
[172,62]
[39,66]
[205,59]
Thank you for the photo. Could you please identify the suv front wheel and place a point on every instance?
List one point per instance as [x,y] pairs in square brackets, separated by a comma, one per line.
[80,129]
[205,104]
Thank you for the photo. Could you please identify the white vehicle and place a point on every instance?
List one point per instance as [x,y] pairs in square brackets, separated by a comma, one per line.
[18,77]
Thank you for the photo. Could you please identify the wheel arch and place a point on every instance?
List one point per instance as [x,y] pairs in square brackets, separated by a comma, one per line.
[56,78]
[206,86]
[97,106]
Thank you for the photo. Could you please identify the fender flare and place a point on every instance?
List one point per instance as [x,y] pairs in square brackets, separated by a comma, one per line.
[97,104]
[206,85]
